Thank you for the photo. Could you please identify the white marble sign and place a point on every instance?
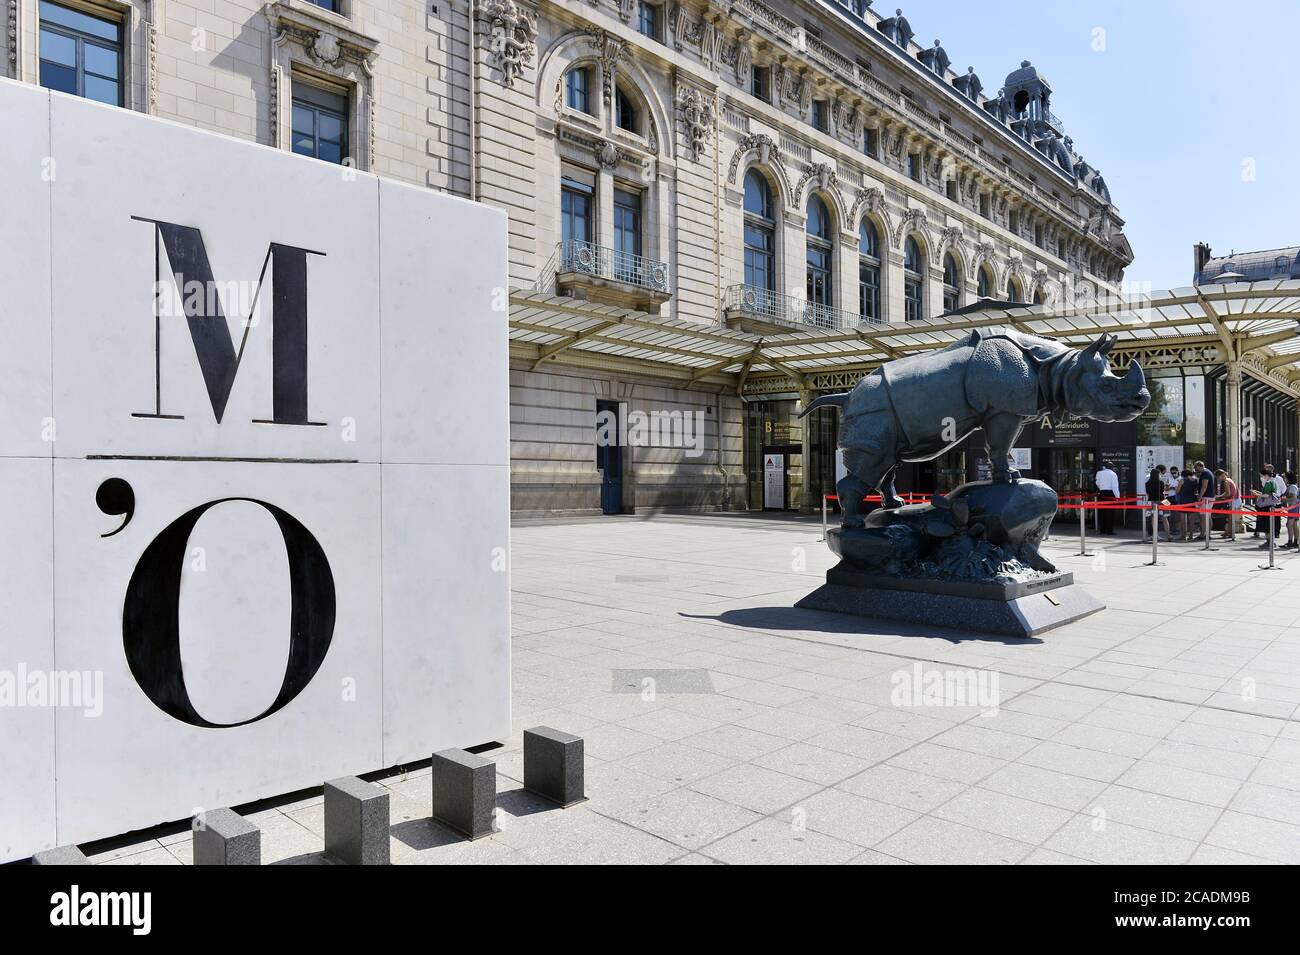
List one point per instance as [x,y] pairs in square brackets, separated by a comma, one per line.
[254,437]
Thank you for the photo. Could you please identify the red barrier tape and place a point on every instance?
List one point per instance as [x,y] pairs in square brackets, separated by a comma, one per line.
[1118,504]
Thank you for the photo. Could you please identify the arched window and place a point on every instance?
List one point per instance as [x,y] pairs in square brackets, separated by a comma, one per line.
[1039,299]
[869,271]
[821,252]
[913,281]
[625,112]
[577,89]
[1013,291]
[985,282]
[760,233]
[951,283]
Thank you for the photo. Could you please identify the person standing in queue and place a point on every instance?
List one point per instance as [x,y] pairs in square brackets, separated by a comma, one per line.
[1227,499]
[1291,502]
[1108,493]
[1156,488]
[1205,494]
[1267,499]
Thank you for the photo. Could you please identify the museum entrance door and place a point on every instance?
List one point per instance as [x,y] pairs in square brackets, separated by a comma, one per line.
[1069,472]
[609,459]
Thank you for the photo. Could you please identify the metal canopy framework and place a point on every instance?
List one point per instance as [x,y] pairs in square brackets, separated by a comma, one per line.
[1254,323]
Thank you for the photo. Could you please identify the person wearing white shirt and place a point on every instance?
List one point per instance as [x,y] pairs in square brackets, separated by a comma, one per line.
[1108,485]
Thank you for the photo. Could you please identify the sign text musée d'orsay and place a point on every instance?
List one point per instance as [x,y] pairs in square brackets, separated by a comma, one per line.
[263,534]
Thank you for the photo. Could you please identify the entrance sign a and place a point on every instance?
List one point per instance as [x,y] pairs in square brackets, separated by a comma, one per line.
[254,429]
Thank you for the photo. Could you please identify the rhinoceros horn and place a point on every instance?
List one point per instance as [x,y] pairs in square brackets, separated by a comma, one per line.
[1134,379]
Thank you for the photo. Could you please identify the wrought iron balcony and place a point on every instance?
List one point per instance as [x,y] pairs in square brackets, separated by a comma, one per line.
[758,307]
[601,273]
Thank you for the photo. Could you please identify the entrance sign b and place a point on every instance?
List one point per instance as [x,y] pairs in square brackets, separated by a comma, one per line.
[261,534]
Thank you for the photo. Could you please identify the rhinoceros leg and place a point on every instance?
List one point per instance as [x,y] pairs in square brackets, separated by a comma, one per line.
[868,470]
[887,490]
[1000,432]
[850,491]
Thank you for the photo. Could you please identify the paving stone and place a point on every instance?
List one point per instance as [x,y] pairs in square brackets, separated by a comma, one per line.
[771,842]
[903,787]
[1113,843]
[931,841]
[754,787]
[1004,815]
[853,818]
[1159,813]
[685,817]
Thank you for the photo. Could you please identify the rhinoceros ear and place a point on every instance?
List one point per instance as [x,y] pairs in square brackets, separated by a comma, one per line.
[1094,347]
[1107,343]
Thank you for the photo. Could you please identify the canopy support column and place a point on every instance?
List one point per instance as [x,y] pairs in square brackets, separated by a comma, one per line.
[806,499]
[1232,427]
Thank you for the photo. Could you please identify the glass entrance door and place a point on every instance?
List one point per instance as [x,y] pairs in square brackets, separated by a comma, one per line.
[1071,471]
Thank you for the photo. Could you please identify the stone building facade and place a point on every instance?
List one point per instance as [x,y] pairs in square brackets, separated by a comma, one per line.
[753,164]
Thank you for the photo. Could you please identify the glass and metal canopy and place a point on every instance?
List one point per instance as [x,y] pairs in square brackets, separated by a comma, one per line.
[1259,321]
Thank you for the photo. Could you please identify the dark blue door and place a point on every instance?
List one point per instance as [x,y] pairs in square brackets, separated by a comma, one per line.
[609,457]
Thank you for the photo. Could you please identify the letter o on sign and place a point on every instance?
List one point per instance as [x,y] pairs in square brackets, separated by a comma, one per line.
[151,614]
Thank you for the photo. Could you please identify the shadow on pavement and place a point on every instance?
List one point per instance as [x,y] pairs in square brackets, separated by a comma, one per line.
[817,621]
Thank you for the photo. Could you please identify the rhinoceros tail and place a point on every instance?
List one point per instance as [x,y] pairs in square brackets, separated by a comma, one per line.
[822,401]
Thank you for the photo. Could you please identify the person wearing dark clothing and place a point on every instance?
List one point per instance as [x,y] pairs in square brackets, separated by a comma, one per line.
[1205,494]
[1155,491]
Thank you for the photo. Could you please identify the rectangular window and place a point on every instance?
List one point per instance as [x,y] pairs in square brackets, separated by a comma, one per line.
[320,123]
[81,54]
[914,166]
[1038,236]
[820,115]
[648,20]
[577,215]
[985,205]
[330,5]
[950,300]
[1013,222]
[869,291]
[759,247]
[577,86]
[951,189]
[871,142]
[627,236]
[760,83]
[912,299]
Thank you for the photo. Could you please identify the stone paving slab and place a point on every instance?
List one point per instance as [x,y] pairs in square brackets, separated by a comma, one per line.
[1162,730]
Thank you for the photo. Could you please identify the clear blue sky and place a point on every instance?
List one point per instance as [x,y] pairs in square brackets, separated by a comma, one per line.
[1179,97]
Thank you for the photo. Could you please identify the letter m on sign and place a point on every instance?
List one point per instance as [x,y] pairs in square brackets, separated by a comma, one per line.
[215,349]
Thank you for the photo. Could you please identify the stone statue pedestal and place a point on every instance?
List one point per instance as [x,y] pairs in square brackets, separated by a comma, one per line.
[966,561]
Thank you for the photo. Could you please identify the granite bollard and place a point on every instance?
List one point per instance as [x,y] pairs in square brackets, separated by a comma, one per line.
[356,822]
[227,838]
[61,855]
[553,765]
[464,792]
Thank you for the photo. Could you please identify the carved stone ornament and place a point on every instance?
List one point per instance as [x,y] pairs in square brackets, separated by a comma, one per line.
[608,155]
[767,148]
[697,119]
[325,50]
[822,174]
[872,200]
[513,38]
